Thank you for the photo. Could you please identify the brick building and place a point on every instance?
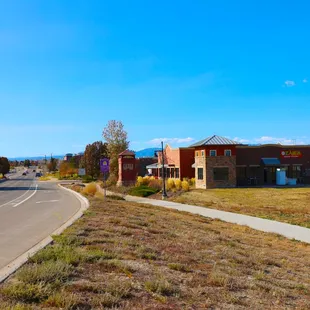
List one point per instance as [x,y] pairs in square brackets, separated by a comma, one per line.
[257,165]
[220,162]
[178,163]
[215,162]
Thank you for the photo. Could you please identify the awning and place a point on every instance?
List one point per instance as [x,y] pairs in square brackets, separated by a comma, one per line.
[156,166]
[271,161]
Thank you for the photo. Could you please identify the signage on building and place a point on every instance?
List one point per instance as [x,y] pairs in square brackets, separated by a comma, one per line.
[291,154]
[104,165]
[128,166]
[82,171]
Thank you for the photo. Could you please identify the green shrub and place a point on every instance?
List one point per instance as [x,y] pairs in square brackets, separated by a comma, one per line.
[142,191]
[87,179]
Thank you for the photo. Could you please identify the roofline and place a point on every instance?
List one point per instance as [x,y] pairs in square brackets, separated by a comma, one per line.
[177,148]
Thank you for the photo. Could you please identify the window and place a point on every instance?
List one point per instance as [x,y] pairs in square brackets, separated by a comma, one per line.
[212,152]
[220,174]
[200,173]
[177,172]
[197,153]
[202,153]
[227,153]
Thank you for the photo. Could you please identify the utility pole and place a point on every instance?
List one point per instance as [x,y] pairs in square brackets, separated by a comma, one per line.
[164,194]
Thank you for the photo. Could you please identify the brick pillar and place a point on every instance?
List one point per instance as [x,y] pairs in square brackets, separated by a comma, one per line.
[127,169]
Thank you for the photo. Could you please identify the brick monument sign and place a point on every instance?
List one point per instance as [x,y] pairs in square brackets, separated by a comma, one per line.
[127,173]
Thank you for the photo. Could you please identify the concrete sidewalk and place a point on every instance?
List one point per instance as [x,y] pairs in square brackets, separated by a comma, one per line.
[287,230]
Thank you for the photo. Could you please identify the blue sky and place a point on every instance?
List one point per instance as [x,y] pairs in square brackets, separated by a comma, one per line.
[176,71]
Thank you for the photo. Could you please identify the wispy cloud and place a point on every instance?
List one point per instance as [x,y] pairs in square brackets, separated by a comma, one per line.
[157,141]
[276,140]
[289,83]
[305,81]
[241,140]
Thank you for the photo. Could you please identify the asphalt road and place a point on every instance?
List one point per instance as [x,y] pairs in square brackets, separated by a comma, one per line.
[29,212]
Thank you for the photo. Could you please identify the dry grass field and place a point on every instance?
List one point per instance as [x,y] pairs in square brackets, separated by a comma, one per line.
[290,205]
[122,255]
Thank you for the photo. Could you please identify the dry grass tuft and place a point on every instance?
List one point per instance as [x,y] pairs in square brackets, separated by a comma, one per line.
[90,189]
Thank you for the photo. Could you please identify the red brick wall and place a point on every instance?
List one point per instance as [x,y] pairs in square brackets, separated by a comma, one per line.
[187,159]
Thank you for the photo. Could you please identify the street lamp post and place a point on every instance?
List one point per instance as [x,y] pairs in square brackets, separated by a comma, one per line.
[164,194]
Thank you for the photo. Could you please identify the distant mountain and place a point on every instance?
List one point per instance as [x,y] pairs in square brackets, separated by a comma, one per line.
[150,152]
[35,157]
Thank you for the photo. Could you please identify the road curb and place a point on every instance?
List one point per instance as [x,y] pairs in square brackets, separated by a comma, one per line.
[22,259]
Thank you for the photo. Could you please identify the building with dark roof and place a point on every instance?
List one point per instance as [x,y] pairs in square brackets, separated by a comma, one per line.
[221,162]
[215,162]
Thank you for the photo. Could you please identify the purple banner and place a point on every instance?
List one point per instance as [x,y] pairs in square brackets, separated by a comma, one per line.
[104,165]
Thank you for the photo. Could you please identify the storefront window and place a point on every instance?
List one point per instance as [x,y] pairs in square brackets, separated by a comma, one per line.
[296,172]
[177,173]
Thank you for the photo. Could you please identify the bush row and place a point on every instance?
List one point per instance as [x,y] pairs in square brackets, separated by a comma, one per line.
[172,184]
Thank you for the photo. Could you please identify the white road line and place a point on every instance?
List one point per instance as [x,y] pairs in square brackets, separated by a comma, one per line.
[47,201]
[16,199]
[26,198]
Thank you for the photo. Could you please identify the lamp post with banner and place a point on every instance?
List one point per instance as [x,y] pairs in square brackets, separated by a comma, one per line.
[104,168]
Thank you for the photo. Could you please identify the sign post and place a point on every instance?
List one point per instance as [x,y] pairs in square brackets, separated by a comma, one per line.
[104,168]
